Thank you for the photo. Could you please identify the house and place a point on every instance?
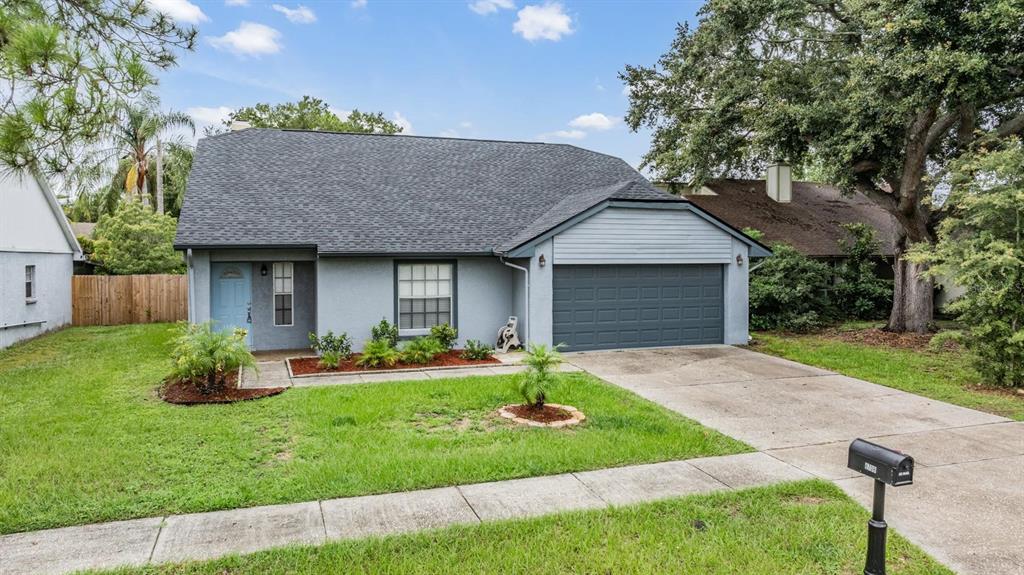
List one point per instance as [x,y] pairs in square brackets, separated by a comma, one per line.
[37,250]
[288,232]
[806,215]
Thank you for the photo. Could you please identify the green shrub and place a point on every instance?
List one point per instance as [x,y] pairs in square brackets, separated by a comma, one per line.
[135,240]
[385,331]
[422,350]
[981,248]
[445,334]
[475,349]
[378,353]
[330,360]
[859,293]
[338,345]
[790,291]
[536,382]
[203,355]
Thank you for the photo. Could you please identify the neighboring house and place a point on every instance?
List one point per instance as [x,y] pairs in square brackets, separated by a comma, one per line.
[37,248]
[84,231]
[289,232]
[806,215]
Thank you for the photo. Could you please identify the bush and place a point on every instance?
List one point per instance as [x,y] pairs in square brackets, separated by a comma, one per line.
[338,345]
[535,383]
[203,355]
[475,349]
[330,360]
[859,293]
[789,291]
[378,353]
[445,334]
[135,240]
[385,331]
[981,248]
[422,350]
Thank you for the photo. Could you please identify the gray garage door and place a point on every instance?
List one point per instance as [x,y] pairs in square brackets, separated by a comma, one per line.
[618,306]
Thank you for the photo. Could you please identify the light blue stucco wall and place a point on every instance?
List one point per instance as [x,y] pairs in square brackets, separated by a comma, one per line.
[266,335]
[52,306]
[541,285]
[355,293]
[736,297]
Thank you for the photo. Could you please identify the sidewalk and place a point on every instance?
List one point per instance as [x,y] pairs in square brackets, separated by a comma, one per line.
[208,535]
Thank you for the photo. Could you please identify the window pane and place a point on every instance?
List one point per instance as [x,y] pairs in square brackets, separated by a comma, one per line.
[444,318]
[432,272]
[28,289]
[405,321]
[417,289]
[444,288]
[404,288]
[430,305]
[444,271]
[287,314]
[444,304]
[418,321]
[418,271]
[430,288]
[405,306]
[417,306]
[404,272]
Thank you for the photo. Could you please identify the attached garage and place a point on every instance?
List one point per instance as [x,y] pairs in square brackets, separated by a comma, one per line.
[629,274]
[622,306]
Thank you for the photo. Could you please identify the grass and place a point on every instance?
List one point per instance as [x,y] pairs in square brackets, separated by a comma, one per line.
[84,437]
[944,375]
[807,527]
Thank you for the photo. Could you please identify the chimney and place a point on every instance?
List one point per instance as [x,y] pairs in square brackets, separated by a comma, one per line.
[239,125]
[779,183]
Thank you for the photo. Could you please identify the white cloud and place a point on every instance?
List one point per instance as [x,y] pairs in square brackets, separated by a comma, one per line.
[404,122]
[547,22]
[491,6]
[237,2]
[299,14]
[595,121]
[206,116]
[250,39]
[449,133]
[564,135]
[179,10]
[359,3]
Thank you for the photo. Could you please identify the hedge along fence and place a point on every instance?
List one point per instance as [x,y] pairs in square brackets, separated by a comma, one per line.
[116,300]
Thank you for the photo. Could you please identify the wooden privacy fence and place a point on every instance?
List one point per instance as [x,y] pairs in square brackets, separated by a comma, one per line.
[115,300]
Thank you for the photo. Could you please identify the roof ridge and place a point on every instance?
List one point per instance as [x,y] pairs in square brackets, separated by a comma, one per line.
[420,136]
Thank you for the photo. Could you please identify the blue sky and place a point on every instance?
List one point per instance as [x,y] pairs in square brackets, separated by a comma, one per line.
[503,69]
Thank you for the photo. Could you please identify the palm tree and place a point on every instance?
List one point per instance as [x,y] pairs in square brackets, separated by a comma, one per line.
[136,135]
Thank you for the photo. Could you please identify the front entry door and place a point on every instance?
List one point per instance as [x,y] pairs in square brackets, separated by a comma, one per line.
[232,297]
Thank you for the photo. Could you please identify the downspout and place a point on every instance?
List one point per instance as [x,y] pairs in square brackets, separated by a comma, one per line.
[191,285]
[526,307]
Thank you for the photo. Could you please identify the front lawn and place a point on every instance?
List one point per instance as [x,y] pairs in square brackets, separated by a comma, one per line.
[84,437]
[807,527]
[906,365]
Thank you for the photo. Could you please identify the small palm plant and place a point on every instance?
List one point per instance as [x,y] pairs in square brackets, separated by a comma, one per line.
[538,380]
[204,355]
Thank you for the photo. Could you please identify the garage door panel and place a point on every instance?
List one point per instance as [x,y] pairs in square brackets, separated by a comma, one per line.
[596,306]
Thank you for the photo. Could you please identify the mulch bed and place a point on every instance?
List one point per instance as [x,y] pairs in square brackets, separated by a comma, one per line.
[187,393]
[545,414]
[309,365]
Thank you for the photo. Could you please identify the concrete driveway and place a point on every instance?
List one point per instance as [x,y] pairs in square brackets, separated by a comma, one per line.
[966,506]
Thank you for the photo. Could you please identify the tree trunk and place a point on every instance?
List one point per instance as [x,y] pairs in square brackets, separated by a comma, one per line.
[912,298]
[159,178]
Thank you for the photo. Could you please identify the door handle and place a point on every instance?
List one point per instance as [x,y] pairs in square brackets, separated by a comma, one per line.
[248,313]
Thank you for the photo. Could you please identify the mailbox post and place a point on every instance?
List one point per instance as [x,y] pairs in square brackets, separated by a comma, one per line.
[885,466]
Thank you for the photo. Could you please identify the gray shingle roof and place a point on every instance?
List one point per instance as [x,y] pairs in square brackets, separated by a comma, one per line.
[361,194]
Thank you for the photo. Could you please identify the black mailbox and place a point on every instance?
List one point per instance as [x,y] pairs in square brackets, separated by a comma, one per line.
[884,464]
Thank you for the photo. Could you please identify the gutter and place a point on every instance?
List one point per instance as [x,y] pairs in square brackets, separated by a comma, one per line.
[526,307]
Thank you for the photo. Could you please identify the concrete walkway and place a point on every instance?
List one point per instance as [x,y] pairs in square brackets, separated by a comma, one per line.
[208,535]
[966,506]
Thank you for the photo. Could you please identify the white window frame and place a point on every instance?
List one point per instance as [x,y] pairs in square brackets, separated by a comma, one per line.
[290,266]
[30,283]
[451,279]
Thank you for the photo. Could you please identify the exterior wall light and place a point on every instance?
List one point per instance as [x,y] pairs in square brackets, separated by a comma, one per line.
[542,261]
[739,259]
[263,270]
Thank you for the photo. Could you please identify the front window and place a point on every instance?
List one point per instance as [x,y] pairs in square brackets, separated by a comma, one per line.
[30,283]
[283,283]
[424,296]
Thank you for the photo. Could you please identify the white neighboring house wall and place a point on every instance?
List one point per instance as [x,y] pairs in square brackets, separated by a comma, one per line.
[33,232]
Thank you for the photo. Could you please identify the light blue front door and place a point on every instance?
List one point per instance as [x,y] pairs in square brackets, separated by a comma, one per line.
[232,297]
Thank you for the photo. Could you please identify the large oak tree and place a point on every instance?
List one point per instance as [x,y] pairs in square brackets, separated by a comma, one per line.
[879,95]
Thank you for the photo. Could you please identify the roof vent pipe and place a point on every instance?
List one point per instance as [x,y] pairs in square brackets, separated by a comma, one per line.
[779,183]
